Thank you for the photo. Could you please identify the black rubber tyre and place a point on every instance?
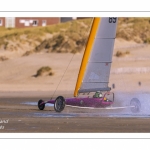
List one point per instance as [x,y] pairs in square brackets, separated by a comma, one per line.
[59,104]
[137,105]
[41,106]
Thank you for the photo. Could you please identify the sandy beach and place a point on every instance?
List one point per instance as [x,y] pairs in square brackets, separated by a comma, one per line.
[20,91]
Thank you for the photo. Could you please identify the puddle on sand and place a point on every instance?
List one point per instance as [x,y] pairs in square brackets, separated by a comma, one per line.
[56,115]
[64,115]
[129,115]
[35,104]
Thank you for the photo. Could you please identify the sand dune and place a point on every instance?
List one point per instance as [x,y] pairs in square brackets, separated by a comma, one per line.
[17,73]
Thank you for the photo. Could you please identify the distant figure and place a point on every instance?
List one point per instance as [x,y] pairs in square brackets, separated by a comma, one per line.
[139,83]
[113,85]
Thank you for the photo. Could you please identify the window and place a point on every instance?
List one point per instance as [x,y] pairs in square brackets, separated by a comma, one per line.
[35,22]
[10,22]
[43,22]
[21,21]
[26,23]
[1,22]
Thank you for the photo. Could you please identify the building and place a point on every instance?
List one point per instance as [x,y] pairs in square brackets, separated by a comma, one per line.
[2,21]
[21,22]
[24,22]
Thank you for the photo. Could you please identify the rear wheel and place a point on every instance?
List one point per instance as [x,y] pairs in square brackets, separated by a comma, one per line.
[135,105]
[41,104]
[59,104]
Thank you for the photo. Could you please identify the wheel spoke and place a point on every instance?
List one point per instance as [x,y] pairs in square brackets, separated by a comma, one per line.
[59,104]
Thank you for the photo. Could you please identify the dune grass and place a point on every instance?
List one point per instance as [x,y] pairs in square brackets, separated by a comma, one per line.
[136,29]
[63,34]
[70,36]
[45,70]
[3,58]
[120,53]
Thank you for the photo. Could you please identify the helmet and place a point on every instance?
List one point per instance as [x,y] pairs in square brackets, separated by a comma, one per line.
[99,93]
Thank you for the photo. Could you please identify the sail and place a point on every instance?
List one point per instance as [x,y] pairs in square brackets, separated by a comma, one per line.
[96,63]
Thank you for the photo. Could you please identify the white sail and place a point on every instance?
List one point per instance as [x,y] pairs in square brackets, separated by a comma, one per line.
[96,74]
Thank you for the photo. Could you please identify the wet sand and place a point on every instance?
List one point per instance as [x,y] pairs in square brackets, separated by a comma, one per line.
[21,115]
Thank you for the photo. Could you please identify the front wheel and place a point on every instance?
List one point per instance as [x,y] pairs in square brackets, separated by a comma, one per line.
[135,105]
[59,104]
[41,104]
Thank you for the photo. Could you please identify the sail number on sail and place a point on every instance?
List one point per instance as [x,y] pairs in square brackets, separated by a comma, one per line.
[112,19]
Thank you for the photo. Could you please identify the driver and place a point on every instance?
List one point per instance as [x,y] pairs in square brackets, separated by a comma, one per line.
[97,94]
